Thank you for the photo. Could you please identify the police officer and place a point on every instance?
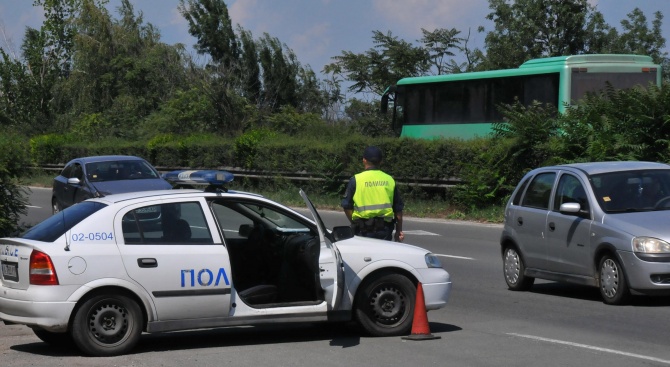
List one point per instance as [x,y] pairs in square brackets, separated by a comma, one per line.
[372,202]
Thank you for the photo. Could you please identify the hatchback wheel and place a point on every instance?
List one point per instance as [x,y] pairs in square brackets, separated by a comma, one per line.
[513,269]
[612,284]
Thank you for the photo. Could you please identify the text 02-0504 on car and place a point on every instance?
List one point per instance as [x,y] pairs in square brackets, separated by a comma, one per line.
[88,177]
[99,273]
[603,224]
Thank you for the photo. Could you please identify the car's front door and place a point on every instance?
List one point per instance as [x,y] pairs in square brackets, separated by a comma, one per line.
[330,261]
[171,251]
[568,235]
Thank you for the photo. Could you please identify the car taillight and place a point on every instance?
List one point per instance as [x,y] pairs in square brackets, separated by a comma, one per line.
[42,271]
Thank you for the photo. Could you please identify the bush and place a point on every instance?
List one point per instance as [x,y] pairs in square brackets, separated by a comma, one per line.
[13,197]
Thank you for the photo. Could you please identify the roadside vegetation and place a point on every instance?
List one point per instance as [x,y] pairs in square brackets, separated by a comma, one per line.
[89,82]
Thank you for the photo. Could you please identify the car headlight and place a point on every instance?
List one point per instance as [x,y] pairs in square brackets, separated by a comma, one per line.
[432,261]
[650,245]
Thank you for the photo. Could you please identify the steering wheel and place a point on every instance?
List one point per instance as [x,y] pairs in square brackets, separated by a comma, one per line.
[661,203]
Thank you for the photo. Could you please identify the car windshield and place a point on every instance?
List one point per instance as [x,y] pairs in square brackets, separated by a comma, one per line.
[632,191]
[53,227]
[120,170]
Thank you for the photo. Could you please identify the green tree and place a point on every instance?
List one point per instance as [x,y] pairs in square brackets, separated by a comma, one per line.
[209,22]
[529,29]
[366,119]
[121,73]
[439,44]
[638,38]
[388,61]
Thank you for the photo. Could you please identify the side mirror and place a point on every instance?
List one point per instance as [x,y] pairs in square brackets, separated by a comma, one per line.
[342,233]
[73,181]
[573,209]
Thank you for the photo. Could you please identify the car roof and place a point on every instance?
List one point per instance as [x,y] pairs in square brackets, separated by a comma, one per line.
[105,158]
[166,194]
[594,168]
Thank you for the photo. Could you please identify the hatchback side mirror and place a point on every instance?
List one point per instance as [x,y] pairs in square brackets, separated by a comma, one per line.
[73,181]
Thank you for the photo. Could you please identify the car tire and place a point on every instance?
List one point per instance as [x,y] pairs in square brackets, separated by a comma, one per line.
[61,340]
[612,281]
[107,325]
[513,270]
[385,305]
[55,208]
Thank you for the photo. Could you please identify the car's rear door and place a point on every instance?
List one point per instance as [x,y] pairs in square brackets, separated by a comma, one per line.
[171,250]
[530,220]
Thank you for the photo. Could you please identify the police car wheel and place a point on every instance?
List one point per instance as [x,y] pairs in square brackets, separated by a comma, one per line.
[385,305]
[107,325]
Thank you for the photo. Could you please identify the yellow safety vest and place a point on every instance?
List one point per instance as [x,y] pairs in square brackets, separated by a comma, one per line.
[373,196]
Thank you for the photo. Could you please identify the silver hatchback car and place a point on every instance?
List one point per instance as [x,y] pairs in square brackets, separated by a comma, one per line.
[602,224]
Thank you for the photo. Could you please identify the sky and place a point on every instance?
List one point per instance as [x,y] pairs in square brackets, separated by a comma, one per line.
[317,30]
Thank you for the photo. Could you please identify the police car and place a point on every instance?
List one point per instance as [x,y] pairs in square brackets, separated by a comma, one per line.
[101,272]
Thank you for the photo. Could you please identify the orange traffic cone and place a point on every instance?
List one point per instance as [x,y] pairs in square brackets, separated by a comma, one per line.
[420,328]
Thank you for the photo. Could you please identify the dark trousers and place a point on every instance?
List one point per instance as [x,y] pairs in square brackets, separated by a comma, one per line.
[374,228]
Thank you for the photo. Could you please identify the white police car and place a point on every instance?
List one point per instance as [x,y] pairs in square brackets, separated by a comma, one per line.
[101,272]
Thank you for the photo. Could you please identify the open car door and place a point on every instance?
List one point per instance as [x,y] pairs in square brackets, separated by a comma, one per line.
[330,262]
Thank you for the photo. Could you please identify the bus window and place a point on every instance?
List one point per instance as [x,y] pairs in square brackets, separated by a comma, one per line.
[583,83]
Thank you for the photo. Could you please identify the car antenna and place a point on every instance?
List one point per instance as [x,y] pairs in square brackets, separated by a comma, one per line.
[67,238]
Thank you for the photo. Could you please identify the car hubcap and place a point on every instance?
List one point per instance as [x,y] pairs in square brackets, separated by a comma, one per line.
[108,323]
[609,278]
[512,267]
[388,305]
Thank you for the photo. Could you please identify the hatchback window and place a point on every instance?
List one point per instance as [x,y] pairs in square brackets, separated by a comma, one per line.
[55,226]
[522,188]
[571,190]
[632,191]
[539,191]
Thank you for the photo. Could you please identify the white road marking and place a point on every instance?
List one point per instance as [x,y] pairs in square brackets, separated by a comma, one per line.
[33,206]
[586,346]
[421,233]
[455,257]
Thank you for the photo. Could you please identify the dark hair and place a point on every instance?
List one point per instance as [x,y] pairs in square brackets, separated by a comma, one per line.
[373,155]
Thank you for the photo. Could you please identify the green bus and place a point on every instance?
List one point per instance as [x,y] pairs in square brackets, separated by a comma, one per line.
[466,105]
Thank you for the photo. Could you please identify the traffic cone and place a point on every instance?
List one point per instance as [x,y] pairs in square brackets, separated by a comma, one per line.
[420,328]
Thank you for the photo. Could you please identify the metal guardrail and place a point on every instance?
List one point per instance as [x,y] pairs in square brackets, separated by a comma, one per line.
[299,176]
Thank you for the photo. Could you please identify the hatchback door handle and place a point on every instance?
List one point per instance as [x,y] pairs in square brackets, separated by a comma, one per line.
[147,263]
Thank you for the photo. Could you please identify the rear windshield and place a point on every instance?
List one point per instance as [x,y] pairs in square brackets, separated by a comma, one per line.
[55,226]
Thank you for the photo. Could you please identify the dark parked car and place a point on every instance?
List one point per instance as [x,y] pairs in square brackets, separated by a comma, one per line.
[602,224]
[89,177]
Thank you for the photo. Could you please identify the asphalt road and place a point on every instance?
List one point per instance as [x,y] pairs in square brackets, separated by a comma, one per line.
[484,324]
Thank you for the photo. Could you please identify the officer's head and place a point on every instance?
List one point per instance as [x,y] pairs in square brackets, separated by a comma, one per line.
[373,155]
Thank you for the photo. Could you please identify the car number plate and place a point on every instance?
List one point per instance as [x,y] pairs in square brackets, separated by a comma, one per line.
[10,271]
